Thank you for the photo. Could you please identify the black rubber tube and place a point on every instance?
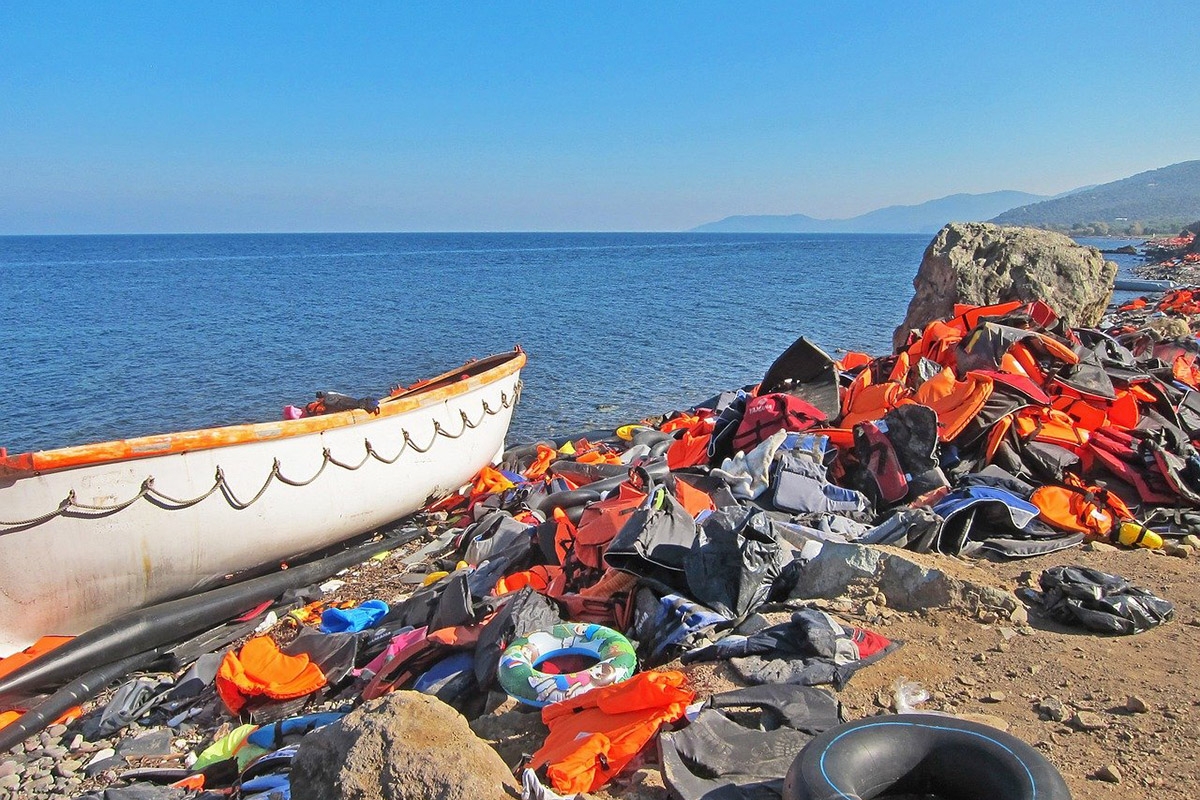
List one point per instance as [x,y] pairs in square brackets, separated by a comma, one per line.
[157,625]
[921,754]
[651,437]
[588,473]
[75,693]
[524,452]
[567,499]
[607,484]
[660,448]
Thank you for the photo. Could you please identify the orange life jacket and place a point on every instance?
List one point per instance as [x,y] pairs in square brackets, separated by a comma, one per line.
[37,649]
[691,449]
[1052,426]
[489,481]
[871,402]
[32,653]
[260,668]
[595,735]
[852,360]
[968,316]
[1091,413]
[598,524]
[693,500]
[598,457]
[937,343]
[545,455]
[680,423]
[1078,507]
[955,402]
[539,578]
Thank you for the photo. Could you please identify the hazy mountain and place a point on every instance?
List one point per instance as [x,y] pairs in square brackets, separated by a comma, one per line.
[926,217]
[1162,199]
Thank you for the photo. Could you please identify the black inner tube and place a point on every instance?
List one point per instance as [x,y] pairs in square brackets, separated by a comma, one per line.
[921,755]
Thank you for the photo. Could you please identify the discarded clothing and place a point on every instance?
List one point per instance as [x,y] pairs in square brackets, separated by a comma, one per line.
[267,787]
[524,612]
[352,620]
[675,622]
[800,485]
[655,541]
[749,474]
[747,754]
[334,653]
[232,745]
[735,562]
[1099,601]
[450,678]
[976,515]
[496,535]
[288,731]
[811,649]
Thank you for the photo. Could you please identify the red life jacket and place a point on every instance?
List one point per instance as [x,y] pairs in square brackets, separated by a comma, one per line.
[769,413]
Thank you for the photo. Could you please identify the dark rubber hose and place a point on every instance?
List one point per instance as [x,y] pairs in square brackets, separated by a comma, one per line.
[175,620]
[567,499]
[75,693]
[651,437]
[573,498]
[921,754]
[659,449]
[526,450]
[587,473]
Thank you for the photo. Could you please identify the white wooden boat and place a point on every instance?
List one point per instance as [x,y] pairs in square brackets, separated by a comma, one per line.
[90,532]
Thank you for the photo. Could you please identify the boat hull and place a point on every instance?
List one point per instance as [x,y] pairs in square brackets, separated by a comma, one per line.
[276,493]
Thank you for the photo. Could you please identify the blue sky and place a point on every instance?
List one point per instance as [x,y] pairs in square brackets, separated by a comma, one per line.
[159,117]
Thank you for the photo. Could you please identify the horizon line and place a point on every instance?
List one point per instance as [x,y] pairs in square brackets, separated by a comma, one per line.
[455,233]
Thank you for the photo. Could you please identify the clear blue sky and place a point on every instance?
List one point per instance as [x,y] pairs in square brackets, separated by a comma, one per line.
[146,117]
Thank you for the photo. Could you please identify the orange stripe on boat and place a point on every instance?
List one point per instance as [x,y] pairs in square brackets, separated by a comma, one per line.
[446,386]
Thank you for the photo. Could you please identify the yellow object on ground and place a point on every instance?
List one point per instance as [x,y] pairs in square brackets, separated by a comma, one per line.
[1135,534]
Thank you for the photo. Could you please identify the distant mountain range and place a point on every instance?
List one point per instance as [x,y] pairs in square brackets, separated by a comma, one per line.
[1161,200]
[928,217]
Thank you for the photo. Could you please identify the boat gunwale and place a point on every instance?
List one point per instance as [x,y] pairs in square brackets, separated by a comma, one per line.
[428,392]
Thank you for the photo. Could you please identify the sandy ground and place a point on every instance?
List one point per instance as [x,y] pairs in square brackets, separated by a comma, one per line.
[985,669]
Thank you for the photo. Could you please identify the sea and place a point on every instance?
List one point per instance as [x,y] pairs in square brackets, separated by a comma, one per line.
[106,337]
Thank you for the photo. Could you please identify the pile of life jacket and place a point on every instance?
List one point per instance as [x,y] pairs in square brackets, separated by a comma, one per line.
[999,429]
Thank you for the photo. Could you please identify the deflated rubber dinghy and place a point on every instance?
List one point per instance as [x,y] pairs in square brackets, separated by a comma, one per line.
[743,741]
[808,372]
[921,755]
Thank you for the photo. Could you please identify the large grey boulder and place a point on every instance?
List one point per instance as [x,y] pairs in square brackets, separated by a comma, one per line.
[979,263]
[843,568]
[403,746]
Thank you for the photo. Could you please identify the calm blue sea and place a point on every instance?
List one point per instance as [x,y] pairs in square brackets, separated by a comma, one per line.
[107,337]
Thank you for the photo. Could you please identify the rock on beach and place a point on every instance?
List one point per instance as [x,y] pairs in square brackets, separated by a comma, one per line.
[979,264]
[403,746]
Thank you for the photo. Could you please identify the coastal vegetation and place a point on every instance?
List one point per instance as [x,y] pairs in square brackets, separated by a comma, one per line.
[1161,201]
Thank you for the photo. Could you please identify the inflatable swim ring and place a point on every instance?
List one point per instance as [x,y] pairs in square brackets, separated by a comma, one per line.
[921,754]
[520,677]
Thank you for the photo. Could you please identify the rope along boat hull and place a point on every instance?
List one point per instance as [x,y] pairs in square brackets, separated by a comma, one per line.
[89,533]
